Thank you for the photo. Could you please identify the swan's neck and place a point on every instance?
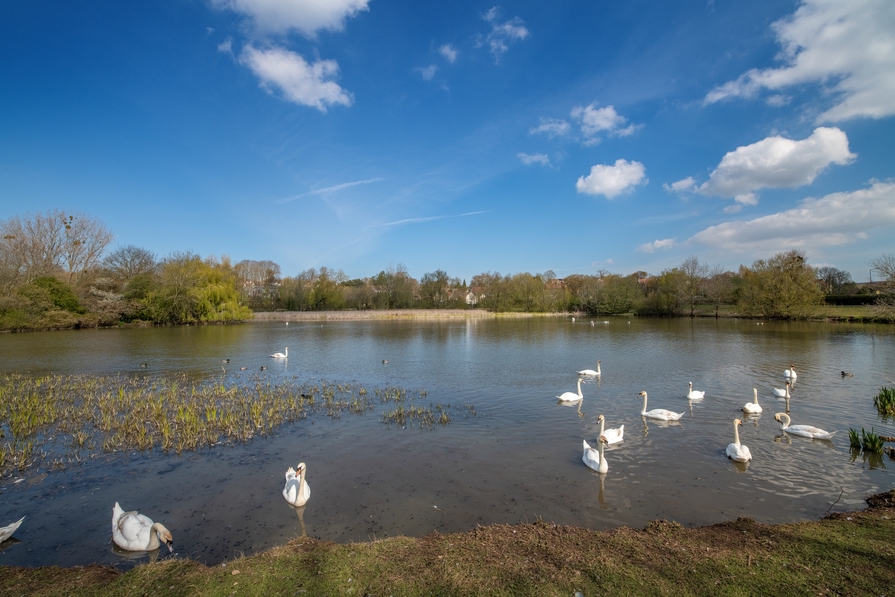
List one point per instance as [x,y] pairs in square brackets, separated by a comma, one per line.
[787,390]
[784,420]
[755,395]
[602,425]
[580,395]
[644,403]
[736,433]
[598,367]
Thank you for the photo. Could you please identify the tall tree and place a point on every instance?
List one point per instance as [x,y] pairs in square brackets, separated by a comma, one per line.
[694,274]
[784,286]
[130,261]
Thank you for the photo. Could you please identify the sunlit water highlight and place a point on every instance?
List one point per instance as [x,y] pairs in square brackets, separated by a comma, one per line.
[518,458]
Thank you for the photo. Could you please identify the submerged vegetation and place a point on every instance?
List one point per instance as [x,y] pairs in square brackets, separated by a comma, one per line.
[843,554]
[62,419]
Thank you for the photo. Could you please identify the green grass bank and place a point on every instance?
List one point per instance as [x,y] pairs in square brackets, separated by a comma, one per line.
[842,554]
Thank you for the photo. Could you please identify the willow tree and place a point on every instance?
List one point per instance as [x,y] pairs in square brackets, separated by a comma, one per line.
[783,287]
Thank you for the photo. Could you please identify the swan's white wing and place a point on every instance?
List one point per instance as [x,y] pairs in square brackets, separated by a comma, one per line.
[589,372]
[7,531]
[739,452]
[661,413]
[569,396]
[132,531]
[590,457]
[614,436]
[751,408]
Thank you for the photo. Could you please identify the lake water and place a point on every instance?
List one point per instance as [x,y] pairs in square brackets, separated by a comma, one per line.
[517,458]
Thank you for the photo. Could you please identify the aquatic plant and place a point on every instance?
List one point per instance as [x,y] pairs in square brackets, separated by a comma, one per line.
[884,401]
[867,441]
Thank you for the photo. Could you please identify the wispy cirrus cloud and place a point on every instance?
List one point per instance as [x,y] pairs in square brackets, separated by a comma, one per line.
[331,189]
[538,158]
[848,47]
[502,32]
[427,219]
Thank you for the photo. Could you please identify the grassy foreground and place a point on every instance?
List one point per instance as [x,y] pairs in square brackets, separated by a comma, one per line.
[843,554]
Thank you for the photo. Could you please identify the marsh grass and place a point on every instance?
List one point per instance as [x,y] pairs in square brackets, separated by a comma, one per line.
[63,419]
[884,402]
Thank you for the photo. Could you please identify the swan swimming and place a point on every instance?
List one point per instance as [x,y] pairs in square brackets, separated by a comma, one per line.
[784,393]
[658,413]
[694,394]
[571,396]
[591,372]
[612,436]
[134,532]
[791,373]
[7,531]
[280,355]
[297,491]
[737,451]
[595,459]
[803,430]
[752,408]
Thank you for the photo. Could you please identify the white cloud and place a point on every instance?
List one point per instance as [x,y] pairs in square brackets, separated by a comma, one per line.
[847,46]
[597,120]
[449,53]
[835,219]
[612,180]
[552,127]
[538,158]
[687,184]
[656,245]
[300,82]
[428,72]
[306,16]
[331,189]
[226,46]
[503,33]
[776,162]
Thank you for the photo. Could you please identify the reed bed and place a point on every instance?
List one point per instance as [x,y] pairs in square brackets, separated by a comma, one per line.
[63,419]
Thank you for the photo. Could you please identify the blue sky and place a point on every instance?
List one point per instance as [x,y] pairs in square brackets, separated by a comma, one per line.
[574,136]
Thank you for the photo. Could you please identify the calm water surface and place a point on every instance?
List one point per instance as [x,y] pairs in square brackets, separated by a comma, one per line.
[518,458]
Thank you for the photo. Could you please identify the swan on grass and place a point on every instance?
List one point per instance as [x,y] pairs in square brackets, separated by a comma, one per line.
[784,393]
[571,396]
[594,458]
[752,408]
[612,436]
[791,373]
[280,355]
[694,394]
[591,372]
[297,491]
[803,430]
[7,531]
[658,413]
[135,532]
[737,451]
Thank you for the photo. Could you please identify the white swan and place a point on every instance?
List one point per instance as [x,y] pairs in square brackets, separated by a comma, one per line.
[134,532]
[737,451]
[595,459]
[694,394]
[297,491]
[571,396]
[7,531]
[791,373]
[591,372]
[280,355]
[752,408]
[658,413]
[784,393]
[612,436]
[803,430]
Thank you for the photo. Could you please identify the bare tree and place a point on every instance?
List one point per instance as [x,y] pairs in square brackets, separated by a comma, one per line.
[885,304]
[127,262]
[48,244]
[694,274]
[833,280]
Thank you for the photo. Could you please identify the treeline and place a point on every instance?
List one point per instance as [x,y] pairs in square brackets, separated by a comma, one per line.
[56,271]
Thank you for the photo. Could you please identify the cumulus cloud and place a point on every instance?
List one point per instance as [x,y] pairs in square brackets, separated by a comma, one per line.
[687,184]
[849,47]
[595,120]
[552,127]
[538,158]
[298,81]
[656,245]
[835,219]
[449,53]
[502,33]
[777,162]
[611,181]
[305,16]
